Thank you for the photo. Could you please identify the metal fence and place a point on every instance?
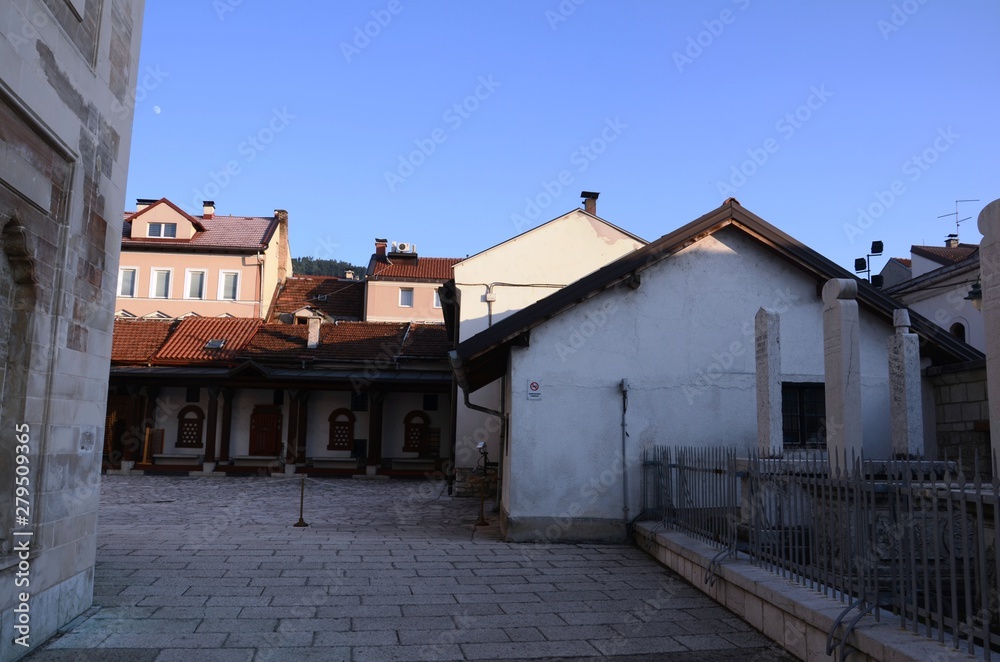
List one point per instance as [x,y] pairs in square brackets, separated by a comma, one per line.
[914,539]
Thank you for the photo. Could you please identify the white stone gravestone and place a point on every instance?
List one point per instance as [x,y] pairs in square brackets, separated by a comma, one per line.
[768,337]
[905,398]
[842,364]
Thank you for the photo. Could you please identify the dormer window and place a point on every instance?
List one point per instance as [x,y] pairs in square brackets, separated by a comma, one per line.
[166,230]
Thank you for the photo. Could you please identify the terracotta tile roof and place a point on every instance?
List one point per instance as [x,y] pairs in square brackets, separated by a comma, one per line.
[187,343]
[409,268]
[135,341]
[329,295]
[943,254]
[905,261]
[250,233]
[345,341]
[427,341]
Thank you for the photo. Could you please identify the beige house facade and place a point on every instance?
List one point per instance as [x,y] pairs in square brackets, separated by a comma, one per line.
[499,281]
[174,264]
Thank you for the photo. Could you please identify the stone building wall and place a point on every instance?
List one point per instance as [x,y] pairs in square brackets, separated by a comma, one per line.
[68,73]
[962,413]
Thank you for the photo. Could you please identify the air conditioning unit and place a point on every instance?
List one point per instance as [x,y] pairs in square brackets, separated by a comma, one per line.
[402,247]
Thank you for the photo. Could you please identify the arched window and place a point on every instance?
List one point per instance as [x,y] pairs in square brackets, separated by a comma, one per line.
[958,330]
[190,424]
[341,430]
[415,426]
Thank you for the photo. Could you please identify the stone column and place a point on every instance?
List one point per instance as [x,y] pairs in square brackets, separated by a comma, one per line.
[989,274]
[300,455]
[211,423]
[227,424]
[905,396]
[292,438]
[842,363]
[376,400]
[768,336]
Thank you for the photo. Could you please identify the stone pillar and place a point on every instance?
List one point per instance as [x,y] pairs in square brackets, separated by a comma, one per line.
[842,363]
[227,424]
[376,401]
[768,335]
[989,274]
[292,438]
[300,455]
[905,395]
[211,423]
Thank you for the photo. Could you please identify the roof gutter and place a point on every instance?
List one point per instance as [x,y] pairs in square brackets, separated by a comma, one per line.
[458,367]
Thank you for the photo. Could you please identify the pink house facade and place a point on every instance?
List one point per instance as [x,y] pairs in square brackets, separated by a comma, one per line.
[174,264]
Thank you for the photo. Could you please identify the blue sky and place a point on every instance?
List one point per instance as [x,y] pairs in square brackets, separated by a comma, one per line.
[456,125]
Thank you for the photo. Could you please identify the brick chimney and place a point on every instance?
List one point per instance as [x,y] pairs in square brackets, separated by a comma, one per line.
[951,241]
[380,246]
[312,342]
[349,274]
[208,209]
[589,201]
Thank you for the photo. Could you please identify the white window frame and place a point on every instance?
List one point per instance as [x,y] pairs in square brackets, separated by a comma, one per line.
[161,235]
[152,281]
[135,281]
[222,284]
[412,297]
[187,283]
[437,298]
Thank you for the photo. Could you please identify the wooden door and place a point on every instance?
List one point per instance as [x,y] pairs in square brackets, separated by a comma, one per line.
[265,430]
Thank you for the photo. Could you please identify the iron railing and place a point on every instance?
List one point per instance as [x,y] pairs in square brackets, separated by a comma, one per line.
[914,539]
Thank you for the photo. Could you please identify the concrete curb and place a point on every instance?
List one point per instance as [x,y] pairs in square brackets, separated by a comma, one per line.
[792,615]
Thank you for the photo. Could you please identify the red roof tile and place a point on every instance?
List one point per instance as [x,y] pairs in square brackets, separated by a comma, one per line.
[943,254]
[250,233]
[410,268]
[905,261]
[329,295]
[345,341]
[187,343]
[136,341]
[427,341]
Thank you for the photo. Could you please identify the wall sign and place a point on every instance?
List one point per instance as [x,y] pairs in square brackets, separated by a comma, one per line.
[534,389]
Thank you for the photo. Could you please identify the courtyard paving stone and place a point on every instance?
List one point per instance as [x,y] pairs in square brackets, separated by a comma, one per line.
[212,569]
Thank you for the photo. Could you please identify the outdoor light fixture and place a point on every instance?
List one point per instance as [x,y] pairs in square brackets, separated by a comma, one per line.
[864,263]
[976,296]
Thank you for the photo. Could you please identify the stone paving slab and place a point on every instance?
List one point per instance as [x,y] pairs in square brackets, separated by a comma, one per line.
[192,568]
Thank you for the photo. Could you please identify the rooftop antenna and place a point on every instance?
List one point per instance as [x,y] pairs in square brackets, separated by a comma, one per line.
[955,214]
